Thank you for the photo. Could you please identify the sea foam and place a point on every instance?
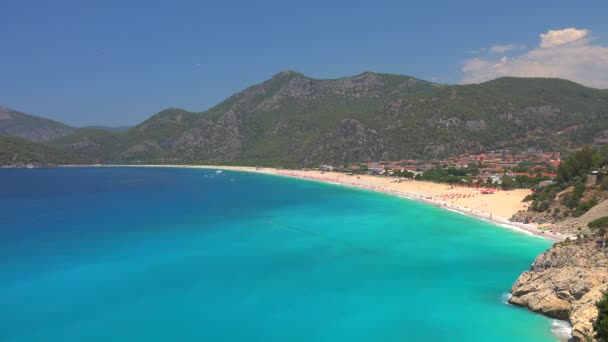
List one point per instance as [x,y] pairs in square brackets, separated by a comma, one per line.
[561,329]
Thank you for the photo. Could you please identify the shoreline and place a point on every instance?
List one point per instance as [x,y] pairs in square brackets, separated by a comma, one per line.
[387,185]
[560,329]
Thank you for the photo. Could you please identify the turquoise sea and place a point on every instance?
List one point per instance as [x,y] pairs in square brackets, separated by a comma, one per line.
[160,254]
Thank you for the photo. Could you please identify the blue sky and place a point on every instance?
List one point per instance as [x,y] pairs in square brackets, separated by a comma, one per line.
[119,62]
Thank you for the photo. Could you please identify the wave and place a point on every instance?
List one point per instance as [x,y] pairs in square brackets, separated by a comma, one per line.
[515,228]
[561,329]
[456,211]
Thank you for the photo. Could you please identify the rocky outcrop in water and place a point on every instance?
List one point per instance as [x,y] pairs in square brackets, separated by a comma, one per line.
[565,282]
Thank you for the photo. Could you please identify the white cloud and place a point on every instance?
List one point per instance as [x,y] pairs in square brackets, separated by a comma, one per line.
[562,53]
[506,47]
[561,37]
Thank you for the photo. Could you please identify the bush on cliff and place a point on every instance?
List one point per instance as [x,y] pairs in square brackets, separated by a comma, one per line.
[601,324]
[584,207]
[572,173]
[578,165]
[599,224]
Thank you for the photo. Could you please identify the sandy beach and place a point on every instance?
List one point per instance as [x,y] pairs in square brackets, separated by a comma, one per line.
[495,208]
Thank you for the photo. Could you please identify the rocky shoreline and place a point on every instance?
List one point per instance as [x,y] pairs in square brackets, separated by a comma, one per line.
[564,283]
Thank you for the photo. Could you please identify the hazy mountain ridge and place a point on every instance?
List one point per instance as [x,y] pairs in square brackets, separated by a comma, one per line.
[109,128]
[33,128]
[294,120]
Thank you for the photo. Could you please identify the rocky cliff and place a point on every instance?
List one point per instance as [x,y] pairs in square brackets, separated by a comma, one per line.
[575,225]
[565,282]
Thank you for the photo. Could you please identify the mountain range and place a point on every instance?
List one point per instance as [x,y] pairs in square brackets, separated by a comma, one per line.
[30,127]
[293,120]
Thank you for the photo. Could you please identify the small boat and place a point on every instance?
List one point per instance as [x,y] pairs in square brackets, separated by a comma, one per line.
[218,172]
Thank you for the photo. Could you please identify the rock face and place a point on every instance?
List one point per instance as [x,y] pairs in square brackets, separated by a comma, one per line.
[351,140]
[567,224]
[565,282]
[572,225]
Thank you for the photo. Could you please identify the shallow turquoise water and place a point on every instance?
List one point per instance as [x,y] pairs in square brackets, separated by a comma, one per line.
[118,254]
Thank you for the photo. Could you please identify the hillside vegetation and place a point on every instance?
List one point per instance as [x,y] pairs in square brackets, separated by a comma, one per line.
[33,128]
[15,151]
[292,120]
[576,190]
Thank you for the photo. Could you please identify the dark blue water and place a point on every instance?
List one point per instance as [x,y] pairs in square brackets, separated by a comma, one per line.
[125,254]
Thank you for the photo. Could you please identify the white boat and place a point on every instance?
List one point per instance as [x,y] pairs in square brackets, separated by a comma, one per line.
[218,171]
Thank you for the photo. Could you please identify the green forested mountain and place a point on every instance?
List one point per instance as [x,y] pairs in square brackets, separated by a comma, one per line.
[15,151]
[33,128]
[294,120]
